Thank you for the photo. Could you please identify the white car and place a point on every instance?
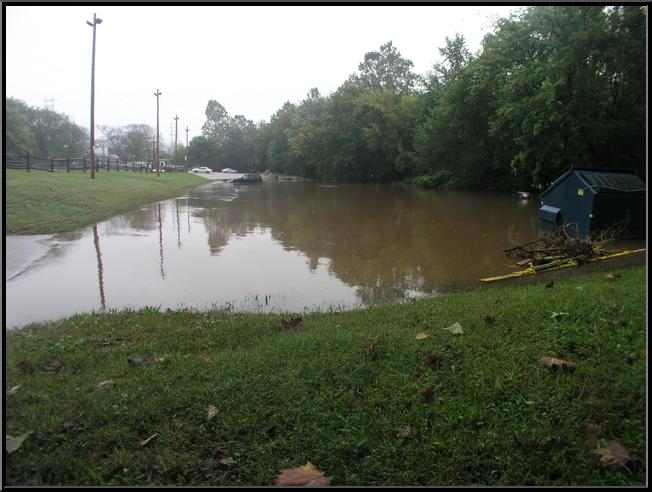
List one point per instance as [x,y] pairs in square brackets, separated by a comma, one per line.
[229,170]
[202,169]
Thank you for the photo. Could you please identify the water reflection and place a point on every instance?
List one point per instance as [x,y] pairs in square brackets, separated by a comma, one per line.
[279,247]
[100,266]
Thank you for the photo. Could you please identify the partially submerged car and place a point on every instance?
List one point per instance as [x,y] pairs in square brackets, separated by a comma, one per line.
[248,178]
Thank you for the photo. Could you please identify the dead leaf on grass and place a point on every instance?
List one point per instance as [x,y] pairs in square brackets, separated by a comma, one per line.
[53,367]
[593,432]
[430,396]
[489,320]
[295,323]
[422,336]
[455,328]
[25,366]
[71,425]
[225,462]
[613,276]
[554,363]
[550,285]
[614,453]
[107,382]
[206,358]
[499,383]
[555,315]
[371,348]
[144,443]
[433,360]
[14,443]
[403,431]
[140,361]
[13,390]
[306,475]
[211,412]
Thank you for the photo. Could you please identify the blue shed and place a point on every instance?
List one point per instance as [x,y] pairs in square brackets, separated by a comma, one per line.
[594,200]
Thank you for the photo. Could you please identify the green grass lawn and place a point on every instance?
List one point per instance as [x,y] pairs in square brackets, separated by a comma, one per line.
[39,202]
[333,392]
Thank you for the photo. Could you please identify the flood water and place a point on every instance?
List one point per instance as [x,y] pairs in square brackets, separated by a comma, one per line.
[270,247]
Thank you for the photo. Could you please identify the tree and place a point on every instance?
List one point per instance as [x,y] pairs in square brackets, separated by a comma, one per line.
[129,142]
[387,69]
[217,121]
[19,138]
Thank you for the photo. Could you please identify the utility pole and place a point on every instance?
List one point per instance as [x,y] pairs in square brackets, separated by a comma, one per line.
[176,135]
[158,161]
[153,152]
[94,24]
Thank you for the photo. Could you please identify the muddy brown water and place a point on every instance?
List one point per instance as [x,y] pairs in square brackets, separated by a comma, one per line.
[271,247]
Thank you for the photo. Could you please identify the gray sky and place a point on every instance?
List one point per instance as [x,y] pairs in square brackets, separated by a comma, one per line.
[251,59]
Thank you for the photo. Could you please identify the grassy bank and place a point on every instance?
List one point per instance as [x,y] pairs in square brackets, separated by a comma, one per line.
[45,203]
[480,406]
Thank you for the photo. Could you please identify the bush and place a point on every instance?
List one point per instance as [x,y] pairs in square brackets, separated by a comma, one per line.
[440,179]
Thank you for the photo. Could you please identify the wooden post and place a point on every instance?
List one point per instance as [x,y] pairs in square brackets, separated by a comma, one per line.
[67,164]
[27,160]
[84,164]
[51,164]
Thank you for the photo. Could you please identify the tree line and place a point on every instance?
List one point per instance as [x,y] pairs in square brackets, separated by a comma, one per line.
[552,87]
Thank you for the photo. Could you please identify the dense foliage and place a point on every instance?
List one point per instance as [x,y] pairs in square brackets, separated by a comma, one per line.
[41,131]
[553,87]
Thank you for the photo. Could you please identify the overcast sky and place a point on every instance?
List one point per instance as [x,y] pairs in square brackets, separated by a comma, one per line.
[251,59]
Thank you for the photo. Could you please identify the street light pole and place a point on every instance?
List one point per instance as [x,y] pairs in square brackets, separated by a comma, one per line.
[96,21]
[185,157]
[158,161]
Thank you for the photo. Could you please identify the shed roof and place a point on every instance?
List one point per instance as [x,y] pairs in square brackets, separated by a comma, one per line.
[612,181]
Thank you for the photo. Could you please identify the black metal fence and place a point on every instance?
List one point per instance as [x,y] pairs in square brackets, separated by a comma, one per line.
[30,162]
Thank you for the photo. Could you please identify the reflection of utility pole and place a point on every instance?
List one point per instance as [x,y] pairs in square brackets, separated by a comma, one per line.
[178,225]
[158,161]
[160,239]
[185,157]
[176,135]
[100,267]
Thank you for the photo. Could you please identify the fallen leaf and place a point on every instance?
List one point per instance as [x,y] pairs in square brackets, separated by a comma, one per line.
[71,425]
[306,475]
[295,323]
[430,396]
[370,349]
[206,358]
[53,367]
[162,360]
[555,315]
[211,412]
[25,366]
[554,363]
[550,285]
[593,432]
[108,382]
[403,431]
[139,361]
[422,336]
[14,443]
[455,328]
[13,390]
[489,320]
[499,383]
[225,462]
[433,360]
[614,453]
[144,443]
[613,276]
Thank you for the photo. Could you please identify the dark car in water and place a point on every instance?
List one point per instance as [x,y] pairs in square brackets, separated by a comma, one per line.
[248,178]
